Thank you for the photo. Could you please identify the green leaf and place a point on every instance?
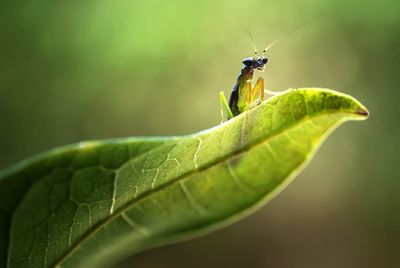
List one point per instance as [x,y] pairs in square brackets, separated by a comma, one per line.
[90,204]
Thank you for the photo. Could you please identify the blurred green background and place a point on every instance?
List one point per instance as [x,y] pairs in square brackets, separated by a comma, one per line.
[80,70]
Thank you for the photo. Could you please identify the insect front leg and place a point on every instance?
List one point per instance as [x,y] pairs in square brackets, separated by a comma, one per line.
[244,97]
[224,105]
[257,92]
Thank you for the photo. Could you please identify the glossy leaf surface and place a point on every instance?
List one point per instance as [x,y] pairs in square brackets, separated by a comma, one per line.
[90,204]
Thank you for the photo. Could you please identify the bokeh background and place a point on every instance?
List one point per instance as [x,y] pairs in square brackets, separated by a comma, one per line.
[82,70]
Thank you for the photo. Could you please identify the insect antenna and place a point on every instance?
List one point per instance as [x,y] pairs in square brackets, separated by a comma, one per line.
[285,36]
[252,41]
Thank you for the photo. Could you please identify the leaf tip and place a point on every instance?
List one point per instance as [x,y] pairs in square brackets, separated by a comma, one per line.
[363,112]
[360,110]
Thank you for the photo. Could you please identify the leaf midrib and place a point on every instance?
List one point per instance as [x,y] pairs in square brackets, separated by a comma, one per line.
[182,177]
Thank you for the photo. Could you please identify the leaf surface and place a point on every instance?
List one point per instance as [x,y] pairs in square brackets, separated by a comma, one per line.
[90,204]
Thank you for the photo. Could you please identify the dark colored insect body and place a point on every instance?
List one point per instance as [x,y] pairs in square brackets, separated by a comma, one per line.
[246,75]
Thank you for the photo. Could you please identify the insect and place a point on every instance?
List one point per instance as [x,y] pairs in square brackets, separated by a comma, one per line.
[245,95]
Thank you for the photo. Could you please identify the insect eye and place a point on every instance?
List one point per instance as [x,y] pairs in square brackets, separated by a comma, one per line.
[265,60]
[248,62]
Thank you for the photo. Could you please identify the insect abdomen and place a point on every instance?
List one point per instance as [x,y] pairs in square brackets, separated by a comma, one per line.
[233,101]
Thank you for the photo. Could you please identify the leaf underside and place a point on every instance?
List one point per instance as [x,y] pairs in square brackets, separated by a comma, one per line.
[90,204]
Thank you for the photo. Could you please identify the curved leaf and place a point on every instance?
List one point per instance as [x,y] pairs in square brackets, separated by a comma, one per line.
[92,203]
